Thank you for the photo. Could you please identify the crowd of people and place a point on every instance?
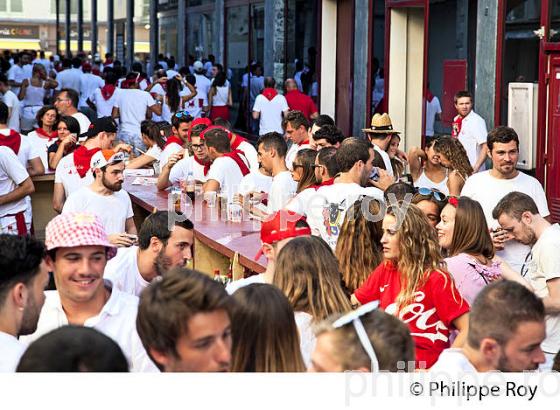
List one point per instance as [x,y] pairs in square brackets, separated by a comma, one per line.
[376,259]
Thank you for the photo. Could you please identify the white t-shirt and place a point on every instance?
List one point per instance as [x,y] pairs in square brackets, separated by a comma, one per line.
[12,173]
[69,78]
[104,107]
[326,209]
[542,267]
[307,339]
[181,170]
[113,210]
[488,191]
[432,109]
[67,175]
[17,74]
[226,171]
[133,105]
[11,351]
[123,272]
[169,150]
[271,113]
[203,85]
[251,155]
[83,121]
[299,202]
[117,319]
[234,286]
[88,84]
[473,134]
[154,151]
[292,153]
[255,181]
[282,189]
[11,100]
[386,159]
[453,361]
[41,145]
[27,150]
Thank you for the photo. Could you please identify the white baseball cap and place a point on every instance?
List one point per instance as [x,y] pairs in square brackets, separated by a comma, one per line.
[198,66]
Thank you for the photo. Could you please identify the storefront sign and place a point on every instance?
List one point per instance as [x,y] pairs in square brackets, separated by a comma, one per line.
[7,31]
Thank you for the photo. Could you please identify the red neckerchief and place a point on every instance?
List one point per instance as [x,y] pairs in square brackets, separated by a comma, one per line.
[206,165]
[107,91]
[429,95]
[456,127]
[324,183]
[173,139]
[306,142]
[82,159]
[12,141]
[108,61]
[236,156]
[269,93]
[44,134]
[238,141]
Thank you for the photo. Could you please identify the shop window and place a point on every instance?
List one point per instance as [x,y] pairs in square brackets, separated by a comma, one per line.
[16,6]
[3,5]
[555,22]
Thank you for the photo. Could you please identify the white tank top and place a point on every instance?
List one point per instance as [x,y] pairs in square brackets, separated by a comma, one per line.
[221,97]
[424,182]
[34,96]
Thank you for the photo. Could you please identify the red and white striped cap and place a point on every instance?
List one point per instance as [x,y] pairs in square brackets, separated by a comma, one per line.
[73,229]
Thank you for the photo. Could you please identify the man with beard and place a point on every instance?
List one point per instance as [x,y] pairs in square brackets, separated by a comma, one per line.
[506,328]
[23,278]
[519,216]
[105,198]
[488,187]
[159,249]
[78,251]
[325,210]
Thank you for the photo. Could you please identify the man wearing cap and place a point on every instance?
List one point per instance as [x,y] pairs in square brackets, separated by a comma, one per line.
[380,135]
[106,198]
[276,231]
[66,103]
[130,107]
[72,171]
[159,249]
[23,278]
[203,85]
[88,84]
[179,166]
[78,251]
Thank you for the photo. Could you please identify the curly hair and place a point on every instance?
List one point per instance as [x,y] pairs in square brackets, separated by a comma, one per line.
[455,153]
[358,248]
[419,253]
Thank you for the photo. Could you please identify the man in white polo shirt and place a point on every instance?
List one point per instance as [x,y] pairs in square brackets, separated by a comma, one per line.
[106,198]
[470,129]
[296,126]
[270,107]
[23,278]
[79,250]
[159,249]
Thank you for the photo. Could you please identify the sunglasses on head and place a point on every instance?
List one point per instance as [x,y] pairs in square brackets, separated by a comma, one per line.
[182,114]
[354,319]
[439,196]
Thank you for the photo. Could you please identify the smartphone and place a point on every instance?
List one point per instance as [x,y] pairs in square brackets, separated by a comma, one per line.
[374,176]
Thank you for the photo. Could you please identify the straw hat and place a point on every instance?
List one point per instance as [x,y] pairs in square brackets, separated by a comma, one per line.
[381,124]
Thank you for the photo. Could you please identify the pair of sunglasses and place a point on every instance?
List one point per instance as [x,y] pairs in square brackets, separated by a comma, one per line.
[439,196]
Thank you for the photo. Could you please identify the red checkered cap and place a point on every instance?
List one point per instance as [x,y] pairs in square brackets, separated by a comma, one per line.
[73,229]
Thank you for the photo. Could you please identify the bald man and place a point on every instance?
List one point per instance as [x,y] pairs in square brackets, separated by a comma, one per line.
[300,101]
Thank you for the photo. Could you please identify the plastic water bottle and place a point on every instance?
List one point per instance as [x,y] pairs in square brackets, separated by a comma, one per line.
[190,186]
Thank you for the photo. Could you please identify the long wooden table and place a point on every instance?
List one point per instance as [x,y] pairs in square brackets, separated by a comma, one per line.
[218,243]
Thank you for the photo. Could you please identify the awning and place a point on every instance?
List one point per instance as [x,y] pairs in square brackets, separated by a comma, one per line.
[139,46]
[19,44]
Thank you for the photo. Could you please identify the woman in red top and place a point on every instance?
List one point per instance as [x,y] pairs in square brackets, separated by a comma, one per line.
[413,285]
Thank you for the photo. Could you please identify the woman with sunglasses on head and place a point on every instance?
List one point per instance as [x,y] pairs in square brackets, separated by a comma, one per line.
[365,340]
[426,168]
[463,234]
[153,140]
[68,129]
[264,336]
[307,273]
[453,157]
[358,248]
[414,285]
[431,202]
[303,171]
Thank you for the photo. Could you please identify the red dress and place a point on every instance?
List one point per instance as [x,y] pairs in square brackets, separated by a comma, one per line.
[429,317]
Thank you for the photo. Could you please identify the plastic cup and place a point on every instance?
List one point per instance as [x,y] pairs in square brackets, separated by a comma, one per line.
[210,198]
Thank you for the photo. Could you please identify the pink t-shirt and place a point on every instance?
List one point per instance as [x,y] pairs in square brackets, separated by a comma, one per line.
[470,275]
